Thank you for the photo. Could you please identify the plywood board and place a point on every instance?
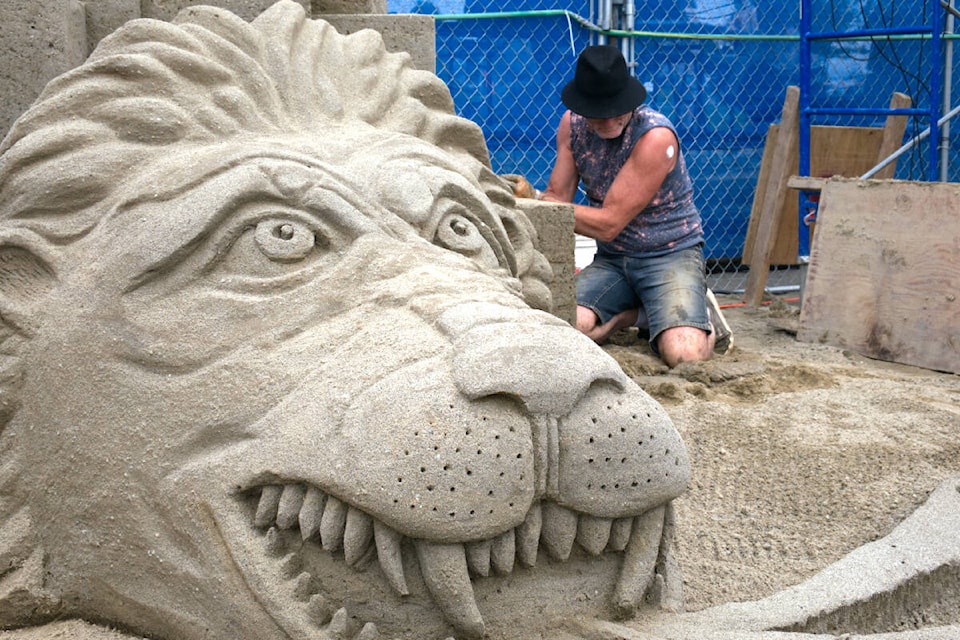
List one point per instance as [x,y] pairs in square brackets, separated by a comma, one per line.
[884,274]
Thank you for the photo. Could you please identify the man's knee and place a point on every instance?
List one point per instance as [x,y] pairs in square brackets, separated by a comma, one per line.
[684,344]
[587,320]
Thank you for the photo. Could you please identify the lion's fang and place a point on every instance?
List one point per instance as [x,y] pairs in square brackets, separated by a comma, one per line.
[444,570]
[390,556]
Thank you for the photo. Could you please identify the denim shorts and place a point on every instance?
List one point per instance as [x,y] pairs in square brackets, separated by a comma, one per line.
[671,289]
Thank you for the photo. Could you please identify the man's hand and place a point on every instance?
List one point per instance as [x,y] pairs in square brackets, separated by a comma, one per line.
[521,187]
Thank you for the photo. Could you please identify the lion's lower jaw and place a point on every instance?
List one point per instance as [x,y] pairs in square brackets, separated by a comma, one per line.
[325,522]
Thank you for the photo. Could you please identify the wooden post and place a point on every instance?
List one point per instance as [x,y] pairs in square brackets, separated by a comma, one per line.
[788,146]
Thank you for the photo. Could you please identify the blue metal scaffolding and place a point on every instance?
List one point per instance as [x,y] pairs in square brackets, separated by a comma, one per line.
[930,33]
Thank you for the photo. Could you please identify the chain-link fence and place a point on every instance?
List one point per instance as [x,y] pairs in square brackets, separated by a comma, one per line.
[718,69]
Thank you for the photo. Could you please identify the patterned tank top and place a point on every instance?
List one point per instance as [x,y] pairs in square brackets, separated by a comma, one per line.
[670,222]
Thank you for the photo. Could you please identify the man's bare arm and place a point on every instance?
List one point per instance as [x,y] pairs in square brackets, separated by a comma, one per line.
[653,157]
[564,178]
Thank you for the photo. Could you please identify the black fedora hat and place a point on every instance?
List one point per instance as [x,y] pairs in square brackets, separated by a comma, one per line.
[602,87]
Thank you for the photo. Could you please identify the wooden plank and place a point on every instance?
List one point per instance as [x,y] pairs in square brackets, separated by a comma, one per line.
[834,151]
[763,177]
[785,245]
[893,131]
[807,183]
[771,212]
[884,274]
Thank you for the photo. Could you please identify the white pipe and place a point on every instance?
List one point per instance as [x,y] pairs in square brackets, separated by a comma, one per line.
[910,144]
[786,288]
[606,11]
[947,90]
[629,15]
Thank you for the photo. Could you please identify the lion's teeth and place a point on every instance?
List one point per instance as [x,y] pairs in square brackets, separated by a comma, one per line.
[274,543]
[319,609]
[332,524]
[311,512]
[288,509]
[559,530]
[390,556]
[503,553]
[528,537]
[303,587]
[357,535]
[290,565]
[267,507]
[444,569]
[639,561]
[478,557]
[338,623]
[593,533]
[620,534]
[369,632]
[670,596]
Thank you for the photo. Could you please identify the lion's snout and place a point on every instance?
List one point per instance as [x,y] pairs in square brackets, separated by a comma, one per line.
[601,445]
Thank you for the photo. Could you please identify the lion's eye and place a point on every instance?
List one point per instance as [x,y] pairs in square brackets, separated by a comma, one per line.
[284,240]
[271,247]
[459,233]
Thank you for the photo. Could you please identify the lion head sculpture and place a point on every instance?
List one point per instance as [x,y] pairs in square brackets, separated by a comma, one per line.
[276,357]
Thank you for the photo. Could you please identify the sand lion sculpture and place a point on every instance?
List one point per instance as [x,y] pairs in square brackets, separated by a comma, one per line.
[277,362]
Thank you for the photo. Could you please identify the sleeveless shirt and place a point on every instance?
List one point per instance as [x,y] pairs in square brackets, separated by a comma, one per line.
[671,221]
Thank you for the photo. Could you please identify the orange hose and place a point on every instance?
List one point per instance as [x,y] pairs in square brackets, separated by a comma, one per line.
[743,304]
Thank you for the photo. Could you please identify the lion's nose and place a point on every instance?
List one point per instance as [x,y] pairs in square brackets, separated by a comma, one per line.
[548,367]
[604,446]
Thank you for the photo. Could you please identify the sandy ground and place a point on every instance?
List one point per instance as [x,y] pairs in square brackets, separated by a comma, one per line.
[800,452]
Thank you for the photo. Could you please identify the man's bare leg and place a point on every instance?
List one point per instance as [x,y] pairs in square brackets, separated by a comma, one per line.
[676,345]
[587,323]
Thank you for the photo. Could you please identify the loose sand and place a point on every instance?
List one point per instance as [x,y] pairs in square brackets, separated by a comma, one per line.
[800,452]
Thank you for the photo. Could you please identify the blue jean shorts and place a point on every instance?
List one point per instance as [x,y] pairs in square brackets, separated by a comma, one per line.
[671,289]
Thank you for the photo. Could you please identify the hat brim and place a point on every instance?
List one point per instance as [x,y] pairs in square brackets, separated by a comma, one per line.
[591,106]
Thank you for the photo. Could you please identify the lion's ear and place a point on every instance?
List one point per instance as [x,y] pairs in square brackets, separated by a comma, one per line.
[27,276]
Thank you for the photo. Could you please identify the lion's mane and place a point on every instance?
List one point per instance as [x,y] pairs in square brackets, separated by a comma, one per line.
[209,77]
